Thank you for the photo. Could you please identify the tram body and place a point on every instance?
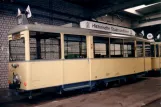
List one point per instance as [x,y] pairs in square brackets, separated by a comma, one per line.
[156,57]
[98,56]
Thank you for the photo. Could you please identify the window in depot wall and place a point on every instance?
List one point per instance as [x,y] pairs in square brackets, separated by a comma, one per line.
[45,46]
[17,50]
[128,48]
[75,46]
[101,47]
[147,49]
[116,47]
[139,46]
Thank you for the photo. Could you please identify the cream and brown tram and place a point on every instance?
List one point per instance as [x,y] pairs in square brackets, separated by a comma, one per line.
[156,58]
[43,56]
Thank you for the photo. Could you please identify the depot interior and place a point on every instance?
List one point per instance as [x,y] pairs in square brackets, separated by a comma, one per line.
[142,16]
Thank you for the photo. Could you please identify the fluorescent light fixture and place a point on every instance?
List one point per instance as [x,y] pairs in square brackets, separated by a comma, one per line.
[133,9]
[119,35]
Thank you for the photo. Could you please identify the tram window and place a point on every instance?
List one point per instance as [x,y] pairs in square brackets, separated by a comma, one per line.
[44,45]
[129,48]
[75,46]
[147,50]
[160,50]
[157,50]
[116,47]
[101,47]
[17,50]
[152,51]
[139,49]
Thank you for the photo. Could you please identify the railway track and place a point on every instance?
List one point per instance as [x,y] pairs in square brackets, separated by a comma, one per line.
[139,87]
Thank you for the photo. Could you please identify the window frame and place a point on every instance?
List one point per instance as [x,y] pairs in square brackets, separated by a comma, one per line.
[121,50]
[149,49]
[141,49]
[107,47]
[22,38]
[42,39]
[80,42]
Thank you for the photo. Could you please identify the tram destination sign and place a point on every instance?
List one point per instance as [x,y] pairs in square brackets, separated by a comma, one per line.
[105,27]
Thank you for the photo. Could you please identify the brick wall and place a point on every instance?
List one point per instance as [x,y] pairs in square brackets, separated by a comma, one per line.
[7,21]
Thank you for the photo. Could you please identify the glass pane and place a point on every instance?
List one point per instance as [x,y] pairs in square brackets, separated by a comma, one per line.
[129,48]
[125,47]
[44,45]
[75,46]
[101,45]
[147,50]
[17,50]
[160,50]
[116,46]
[139,49]
[152,51]
[157,50]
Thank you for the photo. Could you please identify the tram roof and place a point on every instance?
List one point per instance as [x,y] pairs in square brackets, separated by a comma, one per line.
[68,30]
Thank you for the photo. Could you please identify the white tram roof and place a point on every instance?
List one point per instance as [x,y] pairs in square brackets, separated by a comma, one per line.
[69,30]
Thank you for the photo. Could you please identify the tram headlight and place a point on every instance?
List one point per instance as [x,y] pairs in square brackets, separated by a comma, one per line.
[16,79]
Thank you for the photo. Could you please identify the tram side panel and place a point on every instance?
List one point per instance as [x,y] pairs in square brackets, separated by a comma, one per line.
[59,73]
[76,71]
[148,65]
[21,69]
[155,63]
[139,62]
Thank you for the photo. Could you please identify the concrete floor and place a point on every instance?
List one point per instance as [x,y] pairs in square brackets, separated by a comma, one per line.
[156,103]
[137,94]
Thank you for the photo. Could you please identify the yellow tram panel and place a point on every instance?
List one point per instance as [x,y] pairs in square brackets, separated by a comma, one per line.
[148,65]
[46,74]
[155,63]
[75,71]
[23,70]
[107,68]
[139,62]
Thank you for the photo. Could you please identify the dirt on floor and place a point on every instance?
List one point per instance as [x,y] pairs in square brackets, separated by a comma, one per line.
[129,95]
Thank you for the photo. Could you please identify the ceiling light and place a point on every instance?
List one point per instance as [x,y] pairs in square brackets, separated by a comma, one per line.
[133,9]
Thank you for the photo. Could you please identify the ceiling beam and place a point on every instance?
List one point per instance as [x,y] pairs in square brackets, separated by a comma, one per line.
[45,9]
[13,10]
[148,23]
[121,7]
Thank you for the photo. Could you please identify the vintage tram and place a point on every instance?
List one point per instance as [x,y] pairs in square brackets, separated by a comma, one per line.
[43,56]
